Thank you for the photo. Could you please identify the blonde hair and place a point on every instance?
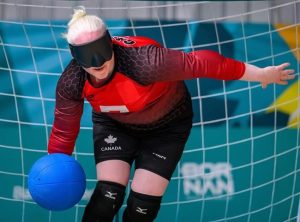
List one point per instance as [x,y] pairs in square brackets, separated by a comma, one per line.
[83,23]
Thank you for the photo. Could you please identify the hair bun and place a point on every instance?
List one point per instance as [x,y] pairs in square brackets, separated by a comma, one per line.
[79,12]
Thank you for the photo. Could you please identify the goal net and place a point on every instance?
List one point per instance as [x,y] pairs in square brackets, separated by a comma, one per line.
[242,159]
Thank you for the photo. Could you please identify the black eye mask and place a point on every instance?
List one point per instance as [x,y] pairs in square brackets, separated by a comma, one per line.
[93,54]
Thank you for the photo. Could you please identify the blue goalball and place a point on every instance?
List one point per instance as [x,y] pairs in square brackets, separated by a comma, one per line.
[56,182]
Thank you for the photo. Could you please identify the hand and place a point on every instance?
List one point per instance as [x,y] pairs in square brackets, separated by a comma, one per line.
[277,74]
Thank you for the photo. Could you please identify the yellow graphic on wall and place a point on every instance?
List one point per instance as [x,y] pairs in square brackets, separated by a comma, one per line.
[288,102]
[291,35]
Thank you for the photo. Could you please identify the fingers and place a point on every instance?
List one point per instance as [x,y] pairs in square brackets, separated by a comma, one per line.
[287,74]
[280,75]
[283,66]
[288,77]
[282,82]
[288,71]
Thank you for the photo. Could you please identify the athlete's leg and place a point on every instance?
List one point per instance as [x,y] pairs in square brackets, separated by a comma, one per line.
[159,154]
[109,193]
[114,151]
[145,196]
[154,169]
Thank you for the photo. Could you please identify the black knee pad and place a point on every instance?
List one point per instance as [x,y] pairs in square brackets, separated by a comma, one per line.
[141,207]
[105,202]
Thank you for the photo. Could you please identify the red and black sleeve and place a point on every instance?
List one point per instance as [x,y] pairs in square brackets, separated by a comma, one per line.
[68,110]
[151,63]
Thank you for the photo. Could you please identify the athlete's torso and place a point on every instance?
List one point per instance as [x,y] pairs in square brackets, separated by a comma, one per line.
[123,95]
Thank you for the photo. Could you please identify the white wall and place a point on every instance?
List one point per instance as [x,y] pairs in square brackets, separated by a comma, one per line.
[253,11]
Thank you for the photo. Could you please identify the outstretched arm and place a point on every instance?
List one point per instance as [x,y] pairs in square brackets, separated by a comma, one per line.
[177,65]
[270,74]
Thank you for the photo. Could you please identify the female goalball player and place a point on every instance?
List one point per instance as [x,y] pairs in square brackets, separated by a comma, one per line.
[142,111]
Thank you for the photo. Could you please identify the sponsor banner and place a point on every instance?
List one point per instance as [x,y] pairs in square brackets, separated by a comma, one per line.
[207,179]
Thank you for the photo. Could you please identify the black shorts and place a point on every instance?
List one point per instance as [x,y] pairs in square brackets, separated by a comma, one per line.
[156,148]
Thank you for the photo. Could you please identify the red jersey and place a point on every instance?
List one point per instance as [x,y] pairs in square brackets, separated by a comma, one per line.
[147,83]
